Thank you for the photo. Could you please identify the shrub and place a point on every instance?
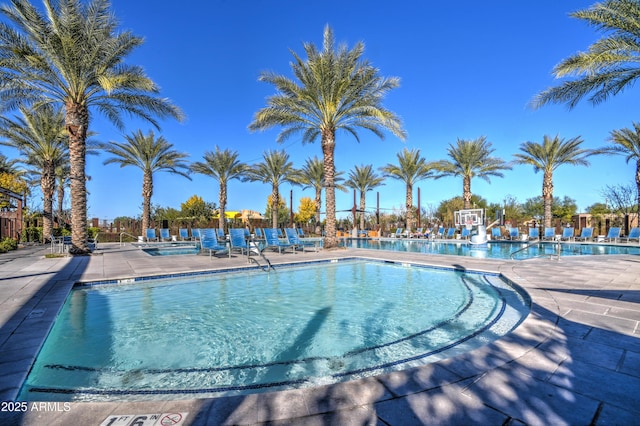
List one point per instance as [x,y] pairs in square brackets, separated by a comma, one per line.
[8,244]
[31,234]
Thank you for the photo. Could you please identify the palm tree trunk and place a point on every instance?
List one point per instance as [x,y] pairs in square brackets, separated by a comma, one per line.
[223,204]
[318,201]
[466,192]
[77,121]
[275,204]
[60,202]
[362,206]
[547,197]
[328,149]
[48,186]
[147,192]
[409,207]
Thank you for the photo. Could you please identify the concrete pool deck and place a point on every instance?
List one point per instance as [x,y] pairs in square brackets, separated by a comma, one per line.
[574,360]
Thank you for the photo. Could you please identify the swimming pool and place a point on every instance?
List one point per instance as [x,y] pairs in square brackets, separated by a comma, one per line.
[492,250]
[239,332]
[170,249]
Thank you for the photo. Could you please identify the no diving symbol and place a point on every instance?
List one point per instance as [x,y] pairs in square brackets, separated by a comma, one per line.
[171,419]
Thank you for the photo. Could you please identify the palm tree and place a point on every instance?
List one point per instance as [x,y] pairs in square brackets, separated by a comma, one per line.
[627,143]
[276,169]
[335,89]
[40,136]
[72,54]
[222,166]
[150,155]
[609,66]
[62,182]
[411,168]
[469,159]
[311,175]
[364,179]
[10,166]
[548,156]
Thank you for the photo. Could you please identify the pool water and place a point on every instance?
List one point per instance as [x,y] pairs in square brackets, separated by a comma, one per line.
[492,250]
[229,333]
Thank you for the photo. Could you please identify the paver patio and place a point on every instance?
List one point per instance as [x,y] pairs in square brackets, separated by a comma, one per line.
[574,360]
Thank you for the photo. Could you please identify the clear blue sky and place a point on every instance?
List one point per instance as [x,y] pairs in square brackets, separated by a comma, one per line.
[467,69]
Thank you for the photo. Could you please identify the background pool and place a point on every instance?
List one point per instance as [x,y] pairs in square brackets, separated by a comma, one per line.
[247,332]
[492,250]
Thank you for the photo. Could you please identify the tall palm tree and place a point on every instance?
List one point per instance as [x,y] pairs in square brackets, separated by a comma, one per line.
[311,175]
[548,156]
[149,155]
[335,89]
[275,169]
[469,159]
[10,166]
[223,166]
[609,66]
[40,137]
[410,169]
[364,179]
[72,54]
[627,143]
[62,182]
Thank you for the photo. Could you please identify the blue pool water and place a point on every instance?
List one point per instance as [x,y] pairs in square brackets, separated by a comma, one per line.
[170,249]
[227,333]
[492,250]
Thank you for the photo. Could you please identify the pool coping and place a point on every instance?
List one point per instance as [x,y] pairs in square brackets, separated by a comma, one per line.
[382,396]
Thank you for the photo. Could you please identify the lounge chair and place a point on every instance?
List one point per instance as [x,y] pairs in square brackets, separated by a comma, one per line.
[496,233]
[184,234]
[221,235]
[164,234]
[150,234]
[259,235]
[465,233]
[534,234]
[613,235]
[634,234]
[397,234]
[280,233]
[585,234]
[294,240]
[195,234]
[273,242]
[514,233]
[93,242]
[238,241]
[417,234]
[451,233]
[209,241]
[567,234]
[549,234]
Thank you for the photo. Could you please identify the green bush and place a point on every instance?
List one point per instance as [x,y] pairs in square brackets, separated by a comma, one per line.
[92,232]
[8,244]
[31,234]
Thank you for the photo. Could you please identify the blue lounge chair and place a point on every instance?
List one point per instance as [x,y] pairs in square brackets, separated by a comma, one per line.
[465,233]
[398,233]
[585,234]
[451,233]
[221,234]
[567,234]
[514,233]
[164,234]
[209,241]
[184,234]
[300,232]
[417,234]
[195,234]
[613,235]
[238,241]
[534,233]
[549,234]
[259,234]
[294,240]
[496,233]
[634,234]
[273,242]
[280,234]
[150,234]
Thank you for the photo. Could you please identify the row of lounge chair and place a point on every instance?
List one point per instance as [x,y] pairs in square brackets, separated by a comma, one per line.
[240,240]
[568,234]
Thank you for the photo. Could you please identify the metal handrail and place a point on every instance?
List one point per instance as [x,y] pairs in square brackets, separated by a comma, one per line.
[537,243]
[125,233]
